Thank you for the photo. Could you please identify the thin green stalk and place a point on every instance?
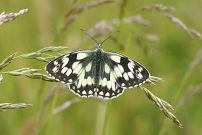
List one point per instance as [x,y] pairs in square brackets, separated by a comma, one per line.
[49,118]
[174,100]
[185,78]
[101,117]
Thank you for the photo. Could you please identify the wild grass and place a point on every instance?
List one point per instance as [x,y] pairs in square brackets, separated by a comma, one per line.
[163,106]
[106,121]
[76,9]
[44,56]
[181,99]
[65,105]
[159,8]
[6,17]
[180,24]
[7,61]
[6,106]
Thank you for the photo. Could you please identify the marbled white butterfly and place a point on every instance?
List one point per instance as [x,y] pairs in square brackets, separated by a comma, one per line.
[98,73]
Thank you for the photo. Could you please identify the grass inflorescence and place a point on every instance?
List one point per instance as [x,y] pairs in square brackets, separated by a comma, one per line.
[163,106]
[7,61]
[7,106]
[42,55]
[6,17]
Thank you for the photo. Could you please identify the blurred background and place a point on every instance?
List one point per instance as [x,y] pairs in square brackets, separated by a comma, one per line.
[150,32]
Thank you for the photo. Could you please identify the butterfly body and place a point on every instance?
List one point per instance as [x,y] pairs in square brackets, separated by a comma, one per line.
[97,73]
[97,69]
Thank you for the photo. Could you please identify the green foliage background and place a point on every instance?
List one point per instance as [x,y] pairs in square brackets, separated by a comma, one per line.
[170,57]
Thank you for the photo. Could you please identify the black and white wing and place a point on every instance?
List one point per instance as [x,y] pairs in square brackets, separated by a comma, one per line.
[86,87]
[67,68]
[127,72]
[116,73]
[77,70]
[98,83]
[108,87]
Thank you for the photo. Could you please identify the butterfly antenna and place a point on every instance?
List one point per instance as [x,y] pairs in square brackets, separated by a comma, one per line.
[90,36]
[108,37]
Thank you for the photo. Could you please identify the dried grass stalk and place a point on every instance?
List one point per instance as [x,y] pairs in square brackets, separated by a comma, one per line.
[189,94]
[163,106]
[5,106]
[71,15]
[77,9]
[180,24]
[158,7]
[152,37]
[7,61]
[48,98]
[5,17]
[93,4]
[102,27]
[196,61]
[137,19]
[66,105]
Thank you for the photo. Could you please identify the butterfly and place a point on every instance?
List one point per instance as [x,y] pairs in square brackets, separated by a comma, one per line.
[98,73]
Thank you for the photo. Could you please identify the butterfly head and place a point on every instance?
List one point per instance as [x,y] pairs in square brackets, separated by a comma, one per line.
[99,44]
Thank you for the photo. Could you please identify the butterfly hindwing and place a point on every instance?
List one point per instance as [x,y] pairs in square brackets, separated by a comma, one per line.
[85,84]
[127,73]
[108,87]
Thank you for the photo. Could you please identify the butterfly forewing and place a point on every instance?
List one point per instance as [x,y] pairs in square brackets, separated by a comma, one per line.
[68,67]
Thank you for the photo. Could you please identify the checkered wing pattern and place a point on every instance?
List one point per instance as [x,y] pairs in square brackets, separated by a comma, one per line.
[115,73]
[127,72]
[67,68]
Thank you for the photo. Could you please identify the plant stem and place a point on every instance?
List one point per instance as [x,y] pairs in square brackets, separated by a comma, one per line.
[101,116]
